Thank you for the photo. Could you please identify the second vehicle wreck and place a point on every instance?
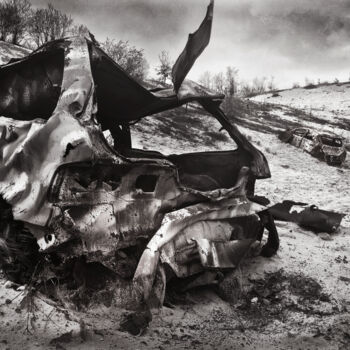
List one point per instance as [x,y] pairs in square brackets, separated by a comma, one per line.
[139,213]
[326,147]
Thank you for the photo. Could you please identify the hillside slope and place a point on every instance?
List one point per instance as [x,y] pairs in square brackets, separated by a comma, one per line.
[327,105]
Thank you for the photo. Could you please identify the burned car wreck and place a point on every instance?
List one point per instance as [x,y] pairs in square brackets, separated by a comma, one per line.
[67,193]
[326,147]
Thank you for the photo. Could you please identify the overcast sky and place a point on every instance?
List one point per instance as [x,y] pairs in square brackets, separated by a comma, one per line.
[287,39]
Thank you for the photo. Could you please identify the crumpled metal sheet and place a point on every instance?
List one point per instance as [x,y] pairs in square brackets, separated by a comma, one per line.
[102,206]
[222,255]
[225,204]
[32,151]
[308,216]
[196,43]
[182,253]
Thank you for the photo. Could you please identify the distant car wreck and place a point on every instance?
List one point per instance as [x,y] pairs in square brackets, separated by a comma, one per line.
[326,147]
[66,193]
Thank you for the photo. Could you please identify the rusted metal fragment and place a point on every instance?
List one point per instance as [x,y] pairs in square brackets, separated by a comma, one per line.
[196,43]
[308,216]
[222,255]
[181,254]
[205,278]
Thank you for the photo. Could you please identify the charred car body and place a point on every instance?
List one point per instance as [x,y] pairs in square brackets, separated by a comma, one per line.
[327,147]
[63,184]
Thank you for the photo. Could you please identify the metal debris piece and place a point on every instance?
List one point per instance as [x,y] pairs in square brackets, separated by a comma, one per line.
[222,255]
[308,216]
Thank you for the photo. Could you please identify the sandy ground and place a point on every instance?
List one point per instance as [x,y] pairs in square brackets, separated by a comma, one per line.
[299,299]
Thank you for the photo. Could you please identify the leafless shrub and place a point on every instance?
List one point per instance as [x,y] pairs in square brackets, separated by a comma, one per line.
[164,68]
[14,16]
[226,83]
[48,24]
[206,80]
[257,87]
[217,136]
[131,59]
[271,84]
[219,82]
[78,30]
[310,86]
[231,81]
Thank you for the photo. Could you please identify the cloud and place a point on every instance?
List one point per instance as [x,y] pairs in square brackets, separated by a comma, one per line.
[260,37]
[292,28]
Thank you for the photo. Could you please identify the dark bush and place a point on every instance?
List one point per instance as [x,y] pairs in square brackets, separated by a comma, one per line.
[310,86]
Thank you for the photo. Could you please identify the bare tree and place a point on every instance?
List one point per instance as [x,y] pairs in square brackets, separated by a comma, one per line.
[130,58]
[259,85]
[6,18]
[49,24]
[206,80]
[164,69]
[14,16]
[271,84]
[22,11]
[219,82]
[231,80]
[80,29]
[246,90]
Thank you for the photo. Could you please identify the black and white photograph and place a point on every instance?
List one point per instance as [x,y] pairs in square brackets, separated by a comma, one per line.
[175,174]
